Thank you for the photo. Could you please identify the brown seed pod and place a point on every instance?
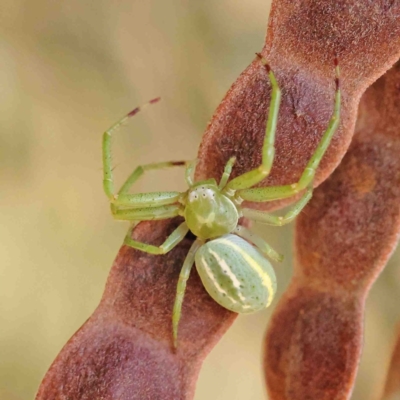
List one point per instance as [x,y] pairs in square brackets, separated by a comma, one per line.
[124,349]
[344,239]
[302,41]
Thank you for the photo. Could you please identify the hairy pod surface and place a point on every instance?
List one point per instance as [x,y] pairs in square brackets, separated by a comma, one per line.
[135,336]
[343,239]
[235,274]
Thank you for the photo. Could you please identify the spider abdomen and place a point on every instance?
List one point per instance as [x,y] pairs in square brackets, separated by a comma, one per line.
[235,274]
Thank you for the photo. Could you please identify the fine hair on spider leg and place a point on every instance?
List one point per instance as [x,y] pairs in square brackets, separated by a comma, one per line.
[232,262]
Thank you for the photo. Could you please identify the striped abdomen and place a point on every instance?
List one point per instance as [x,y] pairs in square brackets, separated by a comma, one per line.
[235,274]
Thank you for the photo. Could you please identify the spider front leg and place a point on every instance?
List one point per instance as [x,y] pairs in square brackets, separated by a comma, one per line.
[256,175]
[142,206]
[285,191]
[227,172]
[141,169]
[294,211]
[142,200]
[147,213]
[108,179]
[122,198]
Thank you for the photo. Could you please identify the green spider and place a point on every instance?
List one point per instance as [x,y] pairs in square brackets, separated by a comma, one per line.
[229,258]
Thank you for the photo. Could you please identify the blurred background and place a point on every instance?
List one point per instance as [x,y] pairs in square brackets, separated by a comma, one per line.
[69,69]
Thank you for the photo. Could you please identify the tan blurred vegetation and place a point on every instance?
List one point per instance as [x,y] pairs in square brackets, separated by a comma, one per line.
[69,70]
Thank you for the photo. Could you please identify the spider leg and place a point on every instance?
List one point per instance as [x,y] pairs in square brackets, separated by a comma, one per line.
[149,199]
[284,191]
[147,213]
[181,287]
[256,175]
[260,243]
[227,172]
[170,242]
[139,200]
[108,179]
[122,197]
[275,220]
[140,170]
[190,165]
[143,200]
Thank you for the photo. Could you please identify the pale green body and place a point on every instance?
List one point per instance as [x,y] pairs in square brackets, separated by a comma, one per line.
[236,274]
[230,259]
[208,212]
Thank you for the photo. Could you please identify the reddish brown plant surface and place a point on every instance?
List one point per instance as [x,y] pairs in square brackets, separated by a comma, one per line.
[124,349]
[302,39]
[344,238]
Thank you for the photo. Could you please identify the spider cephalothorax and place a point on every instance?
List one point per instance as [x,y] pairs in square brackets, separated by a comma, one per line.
[209,212]
[229,258]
